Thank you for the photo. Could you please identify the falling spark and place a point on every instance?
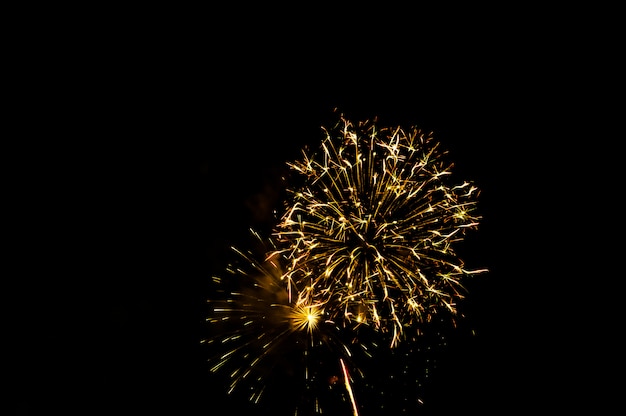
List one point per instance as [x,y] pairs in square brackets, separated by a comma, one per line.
[346,378]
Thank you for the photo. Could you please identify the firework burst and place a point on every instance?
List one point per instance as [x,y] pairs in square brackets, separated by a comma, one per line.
[272,342]
[362,256]
[370,229]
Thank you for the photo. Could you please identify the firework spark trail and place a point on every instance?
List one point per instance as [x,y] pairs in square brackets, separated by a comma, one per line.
[370,232]
[346,378]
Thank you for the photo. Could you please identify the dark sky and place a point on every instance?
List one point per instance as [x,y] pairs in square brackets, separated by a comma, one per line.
[179,143]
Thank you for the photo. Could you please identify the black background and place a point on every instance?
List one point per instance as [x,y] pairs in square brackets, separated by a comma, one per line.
[154,150]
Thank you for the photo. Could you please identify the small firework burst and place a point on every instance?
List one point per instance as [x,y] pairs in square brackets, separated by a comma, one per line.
[369,230]
[270,340]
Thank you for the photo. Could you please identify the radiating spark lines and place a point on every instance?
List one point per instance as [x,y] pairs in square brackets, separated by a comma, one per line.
[372,226]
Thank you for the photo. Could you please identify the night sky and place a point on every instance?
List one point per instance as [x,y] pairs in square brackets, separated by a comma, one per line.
[180,144]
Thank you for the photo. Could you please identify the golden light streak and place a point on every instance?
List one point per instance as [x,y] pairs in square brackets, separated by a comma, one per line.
[346,378]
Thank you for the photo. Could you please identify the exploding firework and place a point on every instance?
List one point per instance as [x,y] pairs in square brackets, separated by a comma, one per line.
[360,260]
[370,229]
[272,342]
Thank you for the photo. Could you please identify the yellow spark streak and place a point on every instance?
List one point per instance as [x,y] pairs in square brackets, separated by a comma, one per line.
[346,378]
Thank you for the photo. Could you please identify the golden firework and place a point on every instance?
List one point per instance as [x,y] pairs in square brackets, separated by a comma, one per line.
[370,228]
